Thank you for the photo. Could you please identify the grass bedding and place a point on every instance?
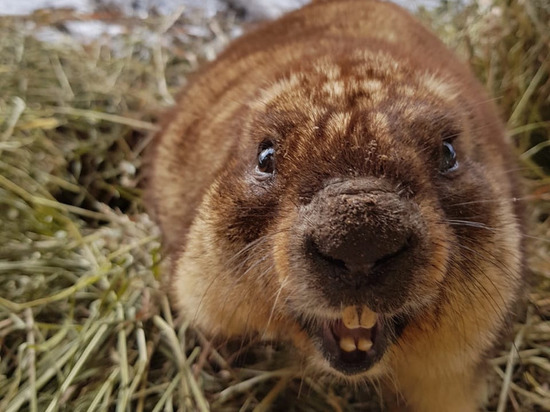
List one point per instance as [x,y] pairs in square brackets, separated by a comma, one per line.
[85,323]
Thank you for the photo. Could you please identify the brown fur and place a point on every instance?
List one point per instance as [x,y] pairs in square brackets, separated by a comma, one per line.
[357,97]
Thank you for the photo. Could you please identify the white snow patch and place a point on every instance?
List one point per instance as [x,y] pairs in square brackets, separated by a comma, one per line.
[24,7]
[255,9]
[90,30]
[268,9]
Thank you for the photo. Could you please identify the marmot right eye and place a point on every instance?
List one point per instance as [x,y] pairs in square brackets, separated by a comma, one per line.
[266,160]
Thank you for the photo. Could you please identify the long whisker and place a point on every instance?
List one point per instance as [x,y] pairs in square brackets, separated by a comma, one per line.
[274,305]
[254,243]
[496,200]
[469,223]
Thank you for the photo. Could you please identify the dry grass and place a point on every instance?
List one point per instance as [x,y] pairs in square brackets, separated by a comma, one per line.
[84,322]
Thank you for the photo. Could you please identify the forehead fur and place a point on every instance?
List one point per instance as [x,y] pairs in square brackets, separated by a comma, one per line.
[347,86]
[347,105]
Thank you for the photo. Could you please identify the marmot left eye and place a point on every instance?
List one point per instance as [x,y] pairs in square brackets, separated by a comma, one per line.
[266,160]
[448,163]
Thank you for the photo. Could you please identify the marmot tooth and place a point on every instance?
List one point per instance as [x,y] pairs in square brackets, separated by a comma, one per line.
[350,317]
[368,318]
[347,344]
[364,344]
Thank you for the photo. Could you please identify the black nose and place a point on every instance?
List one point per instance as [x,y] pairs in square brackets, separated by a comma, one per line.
[361,247]
[361,235]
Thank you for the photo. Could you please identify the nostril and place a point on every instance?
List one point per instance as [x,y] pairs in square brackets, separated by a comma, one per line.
[315,252]
[385,259]
[334,262]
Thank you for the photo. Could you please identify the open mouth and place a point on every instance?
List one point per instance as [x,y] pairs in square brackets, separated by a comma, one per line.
[353,343]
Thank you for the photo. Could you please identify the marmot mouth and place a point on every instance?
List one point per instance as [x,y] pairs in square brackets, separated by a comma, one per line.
[348,348]
[353,343]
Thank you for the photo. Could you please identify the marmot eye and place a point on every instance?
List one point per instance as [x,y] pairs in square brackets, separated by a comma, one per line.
[448,163]
[266,159]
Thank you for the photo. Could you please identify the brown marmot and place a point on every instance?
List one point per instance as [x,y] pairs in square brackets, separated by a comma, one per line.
[338,178]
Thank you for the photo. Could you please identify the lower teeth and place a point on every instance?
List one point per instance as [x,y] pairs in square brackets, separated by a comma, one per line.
[348,344]
[364,344]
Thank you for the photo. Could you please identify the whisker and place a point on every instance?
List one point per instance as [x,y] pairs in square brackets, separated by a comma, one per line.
[496,200]
[469,223]
[479,225]
[274,305]
[247,247]
[484,254]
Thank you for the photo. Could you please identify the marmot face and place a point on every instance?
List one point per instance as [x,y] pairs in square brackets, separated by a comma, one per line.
[368,200]
[355,198]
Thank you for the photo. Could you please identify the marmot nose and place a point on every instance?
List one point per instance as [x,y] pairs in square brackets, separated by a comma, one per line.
[361,236]
[360,247]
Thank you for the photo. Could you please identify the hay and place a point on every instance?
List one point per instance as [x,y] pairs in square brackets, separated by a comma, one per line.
[84,322]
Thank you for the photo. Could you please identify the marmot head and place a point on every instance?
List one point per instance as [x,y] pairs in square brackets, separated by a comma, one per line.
[355,202]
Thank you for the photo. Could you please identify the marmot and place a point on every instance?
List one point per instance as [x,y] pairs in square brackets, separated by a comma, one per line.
[339,179]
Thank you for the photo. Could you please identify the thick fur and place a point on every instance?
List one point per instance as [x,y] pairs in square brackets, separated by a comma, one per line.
[347,89]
